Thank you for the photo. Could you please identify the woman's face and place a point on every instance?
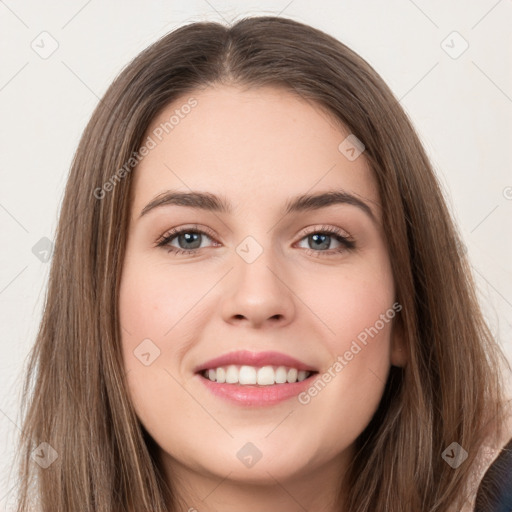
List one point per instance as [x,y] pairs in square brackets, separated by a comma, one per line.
[265,276]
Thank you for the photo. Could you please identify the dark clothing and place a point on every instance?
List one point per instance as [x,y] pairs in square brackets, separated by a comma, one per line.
[495,490]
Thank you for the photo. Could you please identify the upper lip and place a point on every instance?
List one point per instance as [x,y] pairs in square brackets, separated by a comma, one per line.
[245,357]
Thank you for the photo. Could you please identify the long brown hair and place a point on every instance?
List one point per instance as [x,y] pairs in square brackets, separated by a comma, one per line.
[75,395]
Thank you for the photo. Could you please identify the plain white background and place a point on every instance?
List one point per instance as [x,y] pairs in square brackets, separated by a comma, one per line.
[459,99]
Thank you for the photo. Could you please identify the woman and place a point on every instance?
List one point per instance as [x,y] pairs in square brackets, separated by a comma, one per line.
[258,367]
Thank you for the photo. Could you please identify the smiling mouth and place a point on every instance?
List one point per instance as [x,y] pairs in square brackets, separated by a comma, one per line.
[244,375]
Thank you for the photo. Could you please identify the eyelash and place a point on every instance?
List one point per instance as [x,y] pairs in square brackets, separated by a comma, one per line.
[347,243]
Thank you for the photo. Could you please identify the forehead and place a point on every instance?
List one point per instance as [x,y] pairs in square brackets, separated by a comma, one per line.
[254,146]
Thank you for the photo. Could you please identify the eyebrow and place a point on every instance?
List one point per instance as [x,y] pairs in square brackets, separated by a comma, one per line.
[211,202]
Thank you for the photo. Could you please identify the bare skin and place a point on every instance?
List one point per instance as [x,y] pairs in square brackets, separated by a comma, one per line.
[257,149]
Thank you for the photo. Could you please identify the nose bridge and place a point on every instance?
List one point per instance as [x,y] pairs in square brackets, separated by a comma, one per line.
[257,265]
[257,287]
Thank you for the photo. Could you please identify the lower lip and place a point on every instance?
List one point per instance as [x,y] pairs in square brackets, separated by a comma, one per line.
[252,395]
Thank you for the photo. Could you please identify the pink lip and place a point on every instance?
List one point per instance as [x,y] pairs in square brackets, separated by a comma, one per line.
[256,396]
[244,357]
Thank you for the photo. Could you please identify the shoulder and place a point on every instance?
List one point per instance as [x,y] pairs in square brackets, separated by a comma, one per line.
[495,490]
[494,475]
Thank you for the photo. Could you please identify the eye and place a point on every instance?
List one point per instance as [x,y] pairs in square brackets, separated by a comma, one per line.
[191,239]
[322,237]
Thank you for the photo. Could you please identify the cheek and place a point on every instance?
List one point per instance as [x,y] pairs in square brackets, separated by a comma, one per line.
[349,389]
[362,345]
[155,302]
[153,310]
[349,302]
[147,312]
[357,316]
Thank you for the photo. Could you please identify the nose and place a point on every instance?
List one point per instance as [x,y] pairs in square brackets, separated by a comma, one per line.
[258,293]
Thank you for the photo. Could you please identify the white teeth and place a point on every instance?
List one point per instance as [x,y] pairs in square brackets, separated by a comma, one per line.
[247,375]
[220,375]
[292,375]
[266,376]
[231,375]
[302,375]
[250,375]
[281,375]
